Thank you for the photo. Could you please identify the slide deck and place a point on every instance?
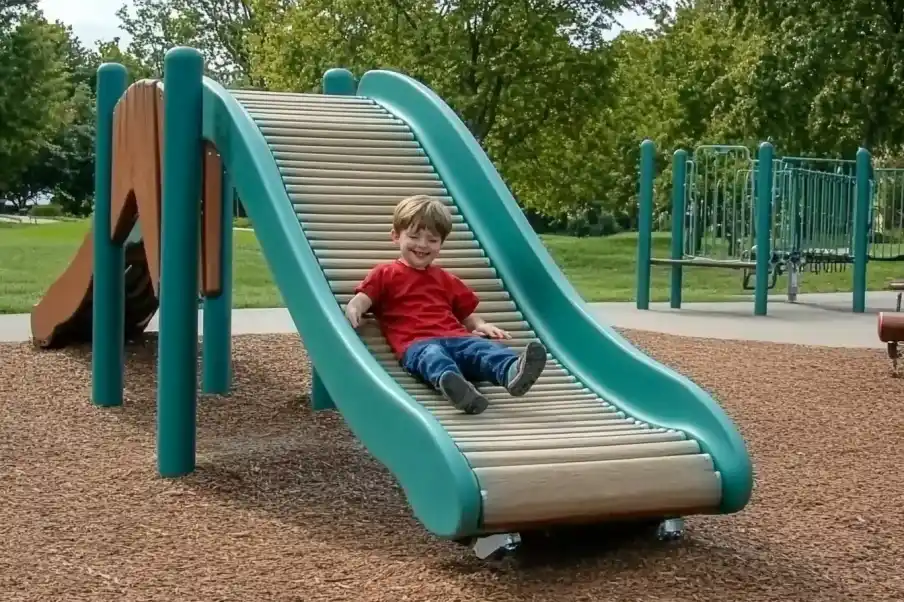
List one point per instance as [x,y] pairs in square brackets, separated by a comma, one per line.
[607,434]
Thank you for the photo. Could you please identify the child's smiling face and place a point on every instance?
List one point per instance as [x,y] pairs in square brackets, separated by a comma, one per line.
[419,247]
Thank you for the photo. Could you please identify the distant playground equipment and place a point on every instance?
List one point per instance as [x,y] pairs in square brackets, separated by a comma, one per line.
[891,328]
[769,216]
[607,434]
[891,332]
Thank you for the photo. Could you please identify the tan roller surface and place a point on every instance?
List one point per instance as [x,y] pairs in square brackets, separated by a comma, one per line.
[292,152]
[325,163]
[389,255]
[542,493]
[363,199]
[557,454]
[564,456]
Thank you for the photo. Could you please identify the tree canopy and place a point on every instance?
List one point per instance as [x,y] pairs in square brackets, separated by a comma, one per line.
[559,103]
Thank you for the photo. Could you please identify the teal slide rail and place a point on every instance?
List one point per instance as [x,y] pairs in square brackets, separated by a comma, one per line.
[594,353]
[398,431]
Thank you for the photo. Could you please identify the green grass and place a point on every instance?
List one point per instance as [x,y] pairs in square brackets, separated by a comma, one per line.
[602,269]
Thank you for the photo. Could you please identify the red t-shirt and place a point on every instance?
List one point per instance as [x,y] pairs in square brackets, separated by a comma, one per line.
[412,304]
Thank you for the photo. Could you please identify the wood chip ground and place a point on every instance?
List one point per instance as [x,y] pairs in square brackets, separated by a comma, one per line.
[287,505]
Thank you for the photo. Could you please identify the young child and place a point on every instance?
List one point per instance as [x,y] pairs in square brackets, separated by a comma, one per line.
[427,315]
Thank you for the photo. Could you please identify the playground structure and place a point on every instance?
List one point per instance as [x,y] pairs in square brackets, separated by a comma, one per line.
[607,434]
[767,216]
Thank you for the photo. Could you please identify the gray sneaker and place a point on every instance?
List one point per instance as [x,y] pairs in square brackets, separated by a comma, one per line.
[526,369]
[462,393]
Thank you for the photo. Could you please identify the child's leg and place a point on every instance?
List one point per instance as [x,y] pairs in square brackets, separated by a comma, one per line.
[432,362]
[487,360]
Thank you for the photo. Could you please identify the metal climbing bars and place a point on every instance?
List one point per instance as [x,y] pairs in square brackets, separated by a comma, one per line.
[767,216]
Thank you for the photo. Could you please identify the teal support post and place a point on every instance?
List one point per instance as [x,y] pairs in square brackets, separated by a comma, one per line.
[320,397]
[861,228]
[645,222]
[108,306]
[180,234]
[763,227]
[216,347]
[679,185]
[339,82]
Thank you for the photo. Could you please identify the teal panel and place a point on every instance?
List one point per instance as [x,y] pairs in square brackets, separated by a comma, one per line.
[399,432]
[594,353]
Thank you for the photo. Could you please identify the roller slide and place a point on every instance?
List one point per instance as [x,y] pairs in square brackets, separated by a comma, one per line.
[607,434]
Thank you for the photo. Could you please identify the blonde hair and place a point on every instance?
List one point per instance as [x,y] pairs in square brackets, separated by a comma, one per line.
[422,211]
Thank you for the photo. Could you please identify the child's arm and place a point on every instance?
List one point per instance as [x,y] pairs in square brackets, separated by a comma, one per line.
[367,293]
[464,302]
[357,307]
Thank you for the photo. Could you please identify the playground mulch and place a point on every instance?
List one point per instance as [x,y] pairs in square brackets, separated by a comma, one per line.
[286,505]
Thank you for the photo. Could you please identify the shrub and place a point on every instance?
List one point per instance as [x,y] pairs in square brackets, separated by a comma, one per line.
[46,211]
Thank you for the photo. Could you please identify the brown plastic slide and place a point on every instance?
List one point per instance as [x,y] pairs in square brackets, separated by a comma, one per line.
[63,316]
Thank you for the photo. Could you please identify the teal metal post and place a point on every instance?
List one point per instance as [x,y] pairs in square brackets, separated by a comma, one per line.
[320,397]
[339,82]
[645,222]
[108,305]
[216,346]
[861,228]
[180,224]
[763,227]
[679,184]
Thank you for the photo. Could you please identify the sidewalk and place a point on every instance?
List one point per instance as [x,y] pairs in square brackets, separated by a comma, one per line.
[817,319]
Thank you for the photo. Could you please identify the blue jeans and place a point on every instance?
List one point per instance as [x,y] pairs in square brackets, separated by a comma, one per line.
[476,358]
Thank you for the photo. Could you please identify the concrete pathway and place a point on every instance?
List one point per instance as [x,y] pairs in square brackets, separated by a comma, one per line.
[26,219]
[817,319]
[17,327]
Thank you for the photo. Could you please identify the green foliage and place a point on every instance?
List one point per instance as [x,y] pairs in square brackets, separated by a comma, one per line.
[52,210]
[221,29]
[32,97]
[527,78]
[110,52]
[47,121]
[558,103]
[835,71]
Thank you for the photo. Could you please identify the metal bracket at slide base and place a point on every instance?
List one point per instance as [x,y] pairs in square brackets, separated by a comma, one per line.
[498,545]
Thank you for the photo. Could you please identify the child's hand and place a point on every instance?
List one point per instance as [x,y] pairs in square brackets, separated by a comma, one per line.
[357,307]
[491,331]
[353,313]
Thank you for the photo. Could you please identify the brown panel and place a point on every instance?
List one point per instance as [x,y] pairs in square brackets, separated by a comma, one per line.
[137,145]
[212,233]
[135,190]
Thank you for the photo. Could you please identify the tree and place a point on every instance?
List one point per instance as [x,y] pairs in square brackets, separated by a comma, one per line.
[524,77]
[66,165]
[32,98]
[219,28]
[836,67]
